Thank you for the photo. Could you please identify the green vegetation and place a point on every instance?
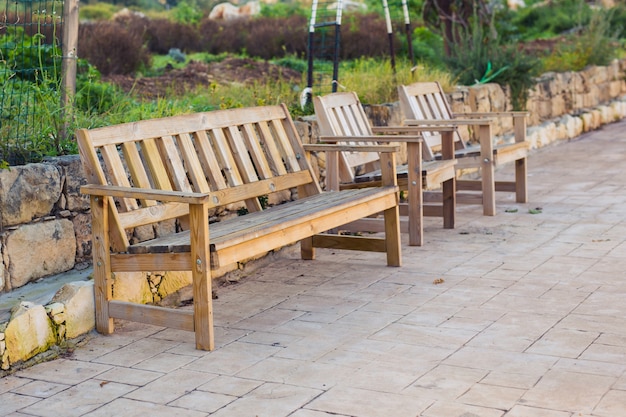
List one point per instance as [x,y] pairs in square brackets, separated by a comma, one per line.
[492,45]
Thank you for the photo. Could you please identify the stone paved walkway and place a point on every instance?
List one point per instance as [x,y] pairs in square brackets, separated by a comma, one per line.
[517,315]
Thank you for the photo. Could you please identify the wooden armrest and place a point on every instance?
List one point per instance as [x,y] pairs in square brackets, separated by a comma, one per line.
[449,122]
[410,129]
[144,194]
[324,147]
[375,138]
[493,114]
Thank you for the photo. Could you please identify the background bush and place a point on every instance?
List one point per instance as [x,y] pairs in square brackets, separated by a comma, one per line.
[113,48]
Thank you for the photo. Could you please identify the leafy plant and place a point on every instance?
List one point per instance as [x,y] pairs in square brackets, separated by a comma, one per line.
[478,56]
[595,44]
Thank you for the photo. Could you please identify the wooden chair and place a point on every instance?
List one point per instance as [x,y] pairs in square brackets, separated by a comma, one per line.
[425,104]
[341,118]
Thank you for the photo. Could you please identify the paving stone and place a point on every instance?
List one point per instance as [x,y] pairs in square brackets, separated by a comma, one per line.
[79,399]
[367,403]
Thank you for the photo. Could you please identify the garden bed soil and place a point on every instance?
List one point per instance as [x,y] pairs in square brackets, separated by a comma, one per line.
[176,82]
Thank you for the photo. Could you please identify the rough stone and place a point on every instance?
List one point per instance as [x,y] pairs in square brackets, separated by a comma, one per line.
[2,281]
[173,281]
[28,333]
[132,287]
[27,192]
[73,179]
[55,308]
[36,250]
[79,304]
[82,232]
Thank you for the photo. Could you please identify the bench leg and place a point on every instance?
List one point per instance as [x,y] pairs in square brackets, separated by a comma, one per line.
[201,274]
[307,251]
[103,286]
[392,237]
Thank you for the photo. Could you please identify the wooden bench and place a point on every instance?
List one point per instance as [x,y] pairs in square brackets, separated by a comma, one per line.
[184,167]
[425,104]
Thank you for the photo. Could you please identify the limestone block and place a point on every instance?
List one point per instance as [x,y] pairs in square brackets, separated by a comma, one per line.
[304,130]
[142,233]
[40,249]
[171,282]
[28,333]
[558,107]
[459,100]
[586,118]
[615,88]
[573,126]
[79,304]
[27,192]
[383,114]
[73,178]
[56,312]
[479,98]
[2,282]
[532,136]
[82,233]
[132,287]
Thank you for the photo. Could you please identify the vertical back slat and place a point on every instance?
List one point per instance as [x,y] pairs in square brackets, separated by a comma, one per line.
[274,157]
[174,165]
[194,167]
[241,156]
[225,158]
[136,169]
[158,171]
[290,158]
[209,161]
[117,174]
[256,151]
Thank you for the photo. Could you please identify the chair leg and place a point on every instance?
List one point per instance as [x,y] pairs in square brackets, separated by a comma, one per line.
[521,187]
[487,171]
[449,203]
[416,197]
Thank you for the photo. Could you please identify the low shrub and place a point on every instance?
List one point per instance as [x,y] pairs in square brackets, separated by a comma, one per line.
[164,34]
[113,48]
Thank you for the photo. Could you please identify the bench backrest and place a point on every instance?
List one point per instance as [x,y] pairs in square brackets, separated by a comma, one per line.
[427,101]
[238,154]
[341,114]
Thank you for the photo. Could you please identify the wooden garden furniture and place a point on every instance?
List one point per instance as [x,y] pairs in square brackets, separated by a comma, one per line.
[187,167]
[342,119]
[425,104]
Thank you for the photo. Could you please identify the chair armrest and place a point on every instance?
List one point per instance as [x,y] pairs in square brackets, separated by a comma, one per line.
[493,114]
[145,194]
[375,138]
[331,147]
[413,129]
[449,122]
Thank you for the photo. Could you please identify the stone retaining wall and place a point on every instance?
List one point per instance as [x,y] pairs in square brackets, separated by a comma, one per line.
[45,221]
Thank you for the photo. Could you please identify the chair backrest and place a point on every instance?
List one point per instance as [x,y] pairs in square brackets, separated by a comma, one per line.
[237,155]
[427,101]
[341,114]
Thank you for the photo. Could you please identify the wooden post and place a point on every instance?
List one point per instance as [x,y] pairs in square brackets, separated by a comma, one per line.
[68,64]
